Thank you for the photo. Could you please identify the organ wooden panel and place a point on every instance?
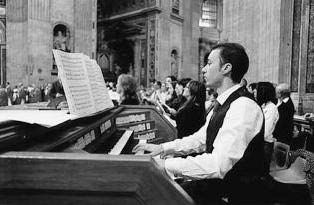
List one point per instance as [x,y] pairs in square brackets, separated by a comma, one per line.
[68,178]
[40,171]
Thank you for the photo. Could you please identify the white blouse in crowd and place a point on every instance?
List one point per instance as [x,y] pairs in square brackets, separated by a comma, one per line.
[242,122]
[271,117]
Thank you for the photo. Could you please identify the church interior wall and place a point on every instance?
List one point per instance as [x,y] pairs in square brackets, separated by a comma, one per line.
[30,36]
[39,54]
[190,40]
[170,38]
[62,11]
[259,34]
[84,31]
[16,55]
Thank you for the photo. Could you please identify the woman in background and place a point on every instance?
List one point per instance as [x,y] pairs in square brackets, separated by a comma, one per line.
[180,99]
[266,98]
[190,117]
[127,87]
[171,94]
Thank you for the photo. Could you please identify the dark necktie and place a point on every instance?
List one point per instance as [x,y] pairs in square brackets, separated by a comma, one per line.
[215,108]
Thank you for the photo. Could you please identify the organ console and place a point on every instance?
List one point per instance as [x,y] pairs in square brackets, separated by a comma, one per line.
[87,161]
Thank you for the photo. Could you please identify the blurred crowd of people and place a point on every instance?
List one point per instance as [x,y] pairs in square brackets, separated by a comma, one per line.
[21,94]
[187,102]
[181,101]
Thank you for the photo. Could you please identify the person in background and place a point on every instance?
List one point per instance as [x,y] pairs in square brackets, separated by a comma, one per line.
[266,98]
[23,93]
[171,94]
[163,93]
[243,82]
[176,103]
[284,128]
[47,90]
[16,100]
[3,96]
[9,91]
[57,98]
[155,97]
[113,94]
[170,79]
[252,89]
[190,117]
[211,96]
[56,89]
[127,87]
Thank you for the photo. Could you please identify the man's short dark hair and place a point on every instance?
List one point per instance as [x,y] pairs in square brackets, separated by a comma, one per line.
[158,83]
[234,54]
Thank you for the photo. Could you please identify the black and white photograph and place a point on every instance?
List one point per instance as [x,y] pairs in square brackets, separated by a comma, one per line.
[157,102]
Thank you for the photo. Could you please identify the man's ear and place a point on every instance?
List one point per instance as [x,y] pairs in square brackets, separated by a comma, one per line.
[227,68]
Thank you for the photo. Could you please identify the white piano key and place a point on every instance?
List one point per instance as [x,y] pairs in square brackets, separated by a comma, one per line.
[116,150]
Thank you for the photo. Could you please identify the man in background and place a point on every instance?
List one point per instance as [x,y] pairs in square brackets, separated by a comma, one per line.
[284,128]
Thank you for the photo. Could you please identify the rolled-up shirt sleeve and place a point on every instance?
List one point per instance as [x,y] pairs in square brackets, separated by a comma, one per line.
[242,122]
[194,143]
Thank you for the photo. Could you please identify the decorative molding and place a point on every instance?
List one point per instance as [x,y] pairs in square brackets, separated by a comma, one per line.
[310,51]
[176,17]
[118,7]
[151,47]
[143,62]
[134,14]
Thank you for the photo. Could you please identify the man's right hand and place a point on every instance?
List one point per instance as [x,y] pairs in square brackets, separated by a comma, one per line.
[152,148]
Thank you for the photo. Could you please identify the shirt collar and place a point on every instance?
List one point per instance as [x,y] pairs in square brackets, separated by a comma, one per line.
[285,100]
[223,96]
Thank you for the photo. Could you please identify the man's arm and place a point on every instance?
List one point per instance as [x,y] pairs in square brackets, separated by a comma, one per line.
[242,122]
[193,143]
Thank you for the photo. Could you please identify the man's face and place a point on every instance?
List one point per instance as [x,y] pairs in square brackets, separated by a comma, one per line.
[212,72]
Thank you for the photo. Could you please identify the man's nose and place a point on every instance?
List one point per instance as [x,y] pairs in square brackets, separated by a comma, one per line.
[204,70]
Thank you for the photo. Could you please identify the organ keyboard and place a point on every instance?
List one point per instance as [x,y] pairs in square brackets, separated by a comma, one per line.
[95,134]
[49,166]
[118,147]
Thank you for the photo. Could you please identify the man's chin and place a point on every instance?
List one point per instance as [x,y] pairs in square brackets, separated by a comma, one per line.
[211,85]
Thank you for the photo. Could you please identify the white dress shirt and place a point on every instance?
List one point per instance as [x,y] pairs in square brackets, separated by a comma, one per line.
[271,117]
[242,122]
[285,100]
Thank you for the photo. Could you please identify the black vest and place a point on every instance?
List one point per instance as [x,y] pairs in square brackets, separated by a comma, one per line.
[252,164]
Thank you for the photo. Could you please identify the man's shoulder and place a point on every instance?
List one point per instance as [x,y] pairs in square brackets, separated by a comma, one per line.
[246,103]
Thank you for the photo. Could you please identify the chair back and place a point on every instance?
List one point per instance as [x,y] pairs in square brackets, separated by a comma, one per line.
[280,156]
[308,169]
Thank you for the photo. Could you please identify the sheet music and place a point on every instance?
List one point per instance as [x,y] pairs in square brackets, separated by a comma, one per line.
[98,86]
[76,85]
